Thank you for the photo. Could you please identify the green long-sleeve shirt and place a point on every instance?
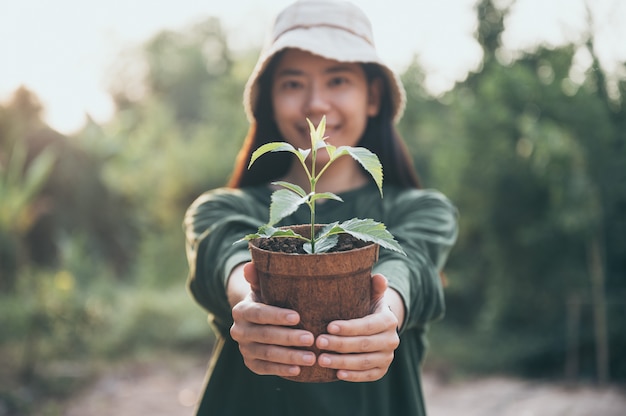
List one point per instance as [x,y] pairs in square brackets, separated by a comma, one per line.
[423,221]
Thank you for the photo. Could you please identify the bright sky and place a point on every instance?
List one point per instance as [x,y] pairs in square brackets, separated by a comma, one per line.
[63,49]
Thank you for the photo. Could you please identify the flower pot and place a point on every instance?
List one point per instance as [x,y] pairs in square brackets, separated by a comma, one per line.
[320,287]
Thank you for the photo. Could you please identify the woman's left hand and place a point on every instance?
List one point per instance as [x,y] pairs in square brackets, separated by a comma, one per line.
[363,349]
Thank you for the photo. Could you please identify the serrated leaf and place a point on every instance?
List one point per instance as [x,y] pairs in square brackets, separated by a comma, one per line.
[370,230]
[291,186]
[284,233]
[267,231]
[248,237]
[322,245]
[264,231]
[327,229]
[284,202]
[272,147]
[367,159]
[326,195]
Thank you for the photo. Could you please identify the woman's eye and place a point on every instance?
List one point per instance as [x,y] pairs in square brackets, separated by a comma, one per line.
[335,82]
[291,85]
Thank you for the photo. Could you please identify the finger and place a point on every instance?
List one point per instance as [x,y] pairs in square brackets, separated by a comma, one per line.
[249,272]
[271,335]
[386,341]
[264,356]
[362,376]
[374,364]
[379,286]
[262,314]
[383,319]
[267,368]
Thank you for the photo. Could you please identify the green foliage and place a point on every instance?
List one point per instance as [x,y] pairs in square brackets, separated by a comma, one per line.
[533,157]
[286,201]
[20,188]
[57,331]
[535,176]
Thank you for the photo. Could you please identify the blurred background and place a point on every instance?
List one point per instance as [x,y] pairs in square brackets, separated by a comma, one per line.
[115,116]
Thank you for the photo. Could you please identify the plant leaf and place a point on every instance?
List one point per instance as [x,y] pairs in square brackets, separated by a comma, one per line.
[331,150]
[291,186]
[284,202]
[273,147]
[304,153]
[322,145]
[367,159]
[317,134]
[323,244]
[370,230]
[326,195]
[328,229]
[267,231]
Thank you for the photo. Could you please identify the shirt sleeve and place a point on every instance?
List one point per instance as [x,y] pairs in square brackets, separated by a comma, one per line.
[425,224]
[213,224]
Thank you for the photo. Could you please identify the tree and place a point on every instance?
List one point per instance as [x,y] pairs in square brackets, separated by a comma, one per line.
[540,187]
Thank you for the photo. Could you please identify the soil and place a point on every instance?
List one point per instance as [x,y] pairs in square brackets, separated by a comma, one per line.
[295,245]
[170,388]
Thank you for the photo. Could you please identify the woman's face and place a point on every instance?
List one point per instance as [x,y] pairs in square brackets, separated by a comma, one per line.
[308,86]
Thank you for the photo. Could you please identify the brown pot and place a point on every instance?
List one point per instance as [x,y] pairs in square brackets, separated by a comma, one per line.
[320,287]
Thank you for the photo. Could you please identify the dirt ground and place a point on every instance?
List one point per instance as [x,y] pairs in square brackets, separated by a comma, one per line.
[171,389]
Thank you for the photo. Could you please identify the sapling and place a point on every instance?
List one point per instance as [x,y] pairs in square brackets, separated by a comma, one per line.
[285,201]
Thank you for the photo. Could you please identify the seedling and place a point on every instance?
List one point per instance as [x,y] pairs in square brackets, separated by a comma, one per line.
[290,197]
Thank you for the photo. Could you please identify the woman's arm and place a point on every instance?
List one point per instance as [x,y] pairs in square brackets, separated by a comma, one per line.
[213,223]
[425,224]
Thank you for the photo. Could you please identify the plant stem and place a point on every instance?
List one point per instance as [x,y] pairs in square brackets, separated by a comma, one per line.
[312,209]
[313,181]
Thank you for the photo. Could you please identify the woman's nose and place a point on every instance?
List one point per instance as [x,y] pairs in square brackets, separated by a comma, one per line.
[317,101]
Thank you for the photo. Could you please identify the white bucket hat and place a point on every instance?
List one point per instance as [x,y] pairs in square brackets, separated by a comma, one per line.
[333,29]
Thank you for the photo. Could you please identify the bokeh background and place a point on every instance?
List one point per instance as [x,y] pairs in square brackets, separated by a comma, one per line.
[114,116]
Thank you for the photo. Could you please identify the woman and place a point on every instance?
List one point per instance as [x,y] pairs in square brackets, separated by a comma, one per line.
[320,61]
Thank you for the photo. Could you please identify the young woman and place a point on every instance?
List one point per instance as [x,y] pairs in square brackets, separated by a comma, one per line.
[320,61]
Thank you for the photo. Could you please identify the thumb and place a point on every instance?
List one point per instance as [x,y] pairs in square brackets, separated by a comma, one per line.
[249,272]
[379,286]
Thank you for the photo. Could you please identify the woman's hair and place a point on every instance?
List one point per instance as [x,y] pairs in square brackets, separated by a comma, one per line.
[380,137]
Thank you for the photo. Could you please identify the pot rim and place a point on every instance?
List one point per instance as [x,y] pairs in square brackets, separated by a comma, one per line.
[252,242]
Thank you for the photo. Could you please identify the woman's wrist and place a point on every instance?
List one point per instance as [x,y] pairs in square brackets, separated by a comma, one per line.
[396,304]
[237,287]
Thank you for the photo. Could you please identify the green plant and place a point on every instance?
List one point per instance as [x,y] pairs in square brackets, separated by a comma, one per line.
[20,185]
[287,200]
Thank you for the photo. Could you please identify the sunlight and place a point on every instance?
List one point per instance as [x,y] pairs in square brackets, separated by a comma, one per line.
[65,51]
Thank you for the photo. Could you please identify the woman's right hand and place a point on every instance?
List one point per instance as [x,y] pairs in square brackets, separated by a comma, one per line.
[263,332]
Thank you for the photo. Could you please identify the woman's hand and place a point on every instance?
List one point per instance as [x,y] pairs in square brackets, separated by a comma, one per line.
[262,331]
[363,349]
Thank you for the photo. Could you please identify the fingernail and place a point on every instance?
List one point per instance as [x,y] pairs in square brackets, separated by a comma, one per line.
[309,359]
[295,370]
[292,318]
[306,339]
[324,360]
[322,342]
[333,329]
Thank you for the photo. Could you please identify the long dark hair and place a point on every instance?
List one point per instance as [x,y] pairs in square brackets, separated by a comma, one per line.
[380,137]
